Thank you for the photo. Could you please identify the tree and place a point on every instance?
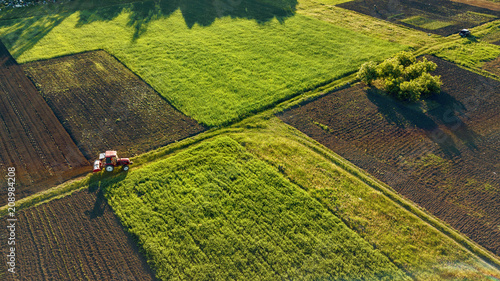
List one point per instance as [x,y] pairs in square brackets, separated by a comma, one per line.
[417,69]
[403,77]
[429,84]
[368,72]
[405,58]
[410,90]
[390,68]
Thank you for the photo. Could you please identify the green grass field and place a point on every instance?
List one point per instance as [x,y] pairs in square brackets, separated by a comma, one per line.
[470,52]
[423,251]
[217,70]
[216,212]
[426,23]
[257,200]
[378,216]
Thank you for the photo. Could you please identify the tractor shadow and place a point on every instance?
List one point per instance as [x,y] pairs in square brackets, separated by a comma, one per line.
[97,185]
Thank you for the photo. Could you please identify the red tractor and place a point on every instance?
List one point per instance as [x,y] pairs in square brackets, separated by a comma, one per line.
[109,160]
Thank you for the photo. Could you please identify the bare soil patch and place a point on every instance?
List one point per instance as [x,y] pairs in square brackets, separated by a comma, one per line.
[75,238]
[493,66]
[103,105]
[481,3]
[441,17]
[31,137]
[443,153]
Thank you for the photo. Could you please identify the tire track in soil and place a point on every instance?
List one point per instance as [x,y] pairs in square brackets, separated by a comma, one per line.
[456,178]
[78,234]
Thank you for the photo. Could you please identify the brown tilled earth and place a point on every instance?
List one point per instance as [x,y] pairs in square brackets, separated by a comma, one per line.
[442,154]
[75,238]
[31,137]
[493,66]
[451,12]
[104,106]
[481,3]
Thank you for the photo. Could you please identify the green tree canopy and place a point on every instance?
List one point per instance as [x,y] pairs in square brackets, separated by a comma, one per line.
[403,77]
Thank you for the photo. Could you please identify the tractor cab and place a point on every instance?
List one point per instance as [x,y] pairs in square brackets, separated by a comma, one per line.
[109,160]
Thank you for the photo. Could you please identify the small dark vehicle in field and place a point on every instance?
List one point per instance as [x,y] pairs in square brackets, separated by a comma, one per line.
[109,160]
[464,33]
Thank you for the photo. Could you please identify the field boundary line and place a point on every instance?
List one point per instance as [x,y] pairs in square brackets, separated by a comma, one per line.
[83,182]
[407,204]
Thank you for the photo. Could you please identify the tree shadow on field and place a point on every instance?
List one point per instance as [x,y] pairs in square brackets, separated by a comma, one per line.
[201,12]
[451,113]
[409,116]
[97,184]
[27,32]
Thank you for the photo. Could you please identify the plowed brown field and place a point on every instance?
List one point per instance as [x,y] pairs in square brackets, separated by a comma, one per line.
[75,238]
[481,3]
[441,17]
[31,138]
[103,105]
[493,66]
[443,154]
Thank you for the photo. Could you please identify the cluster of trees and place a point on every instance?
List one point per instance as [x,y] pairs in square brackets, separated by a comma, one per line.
[403,77]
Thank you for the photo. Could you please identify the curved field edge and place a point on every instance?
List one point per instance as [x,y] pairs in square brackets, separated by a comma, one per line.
[430,262]
[305,165]
[216,74]
[216,211]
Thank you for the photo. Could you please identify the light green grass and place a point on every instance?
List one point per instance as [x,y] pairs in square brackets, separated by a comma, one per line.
[391,223]
[326,11]
[468,53]
[216,73]
[331,2]
[423,251]
[465,52]
[471,52]
[215,212]
[426,23]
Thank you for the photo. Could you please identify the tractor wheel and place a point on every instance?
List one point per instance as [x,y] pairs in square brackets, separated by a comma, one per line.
[125,168]
[109,168]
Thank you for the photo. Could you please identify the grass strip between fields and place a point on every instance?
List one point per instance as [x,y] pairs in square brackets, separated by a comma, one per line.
[216,73]
[320,169]
[216,211]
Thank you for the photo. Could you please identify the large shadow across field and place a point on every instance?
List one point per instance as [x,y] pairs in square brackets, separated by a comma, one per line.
[30,30]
